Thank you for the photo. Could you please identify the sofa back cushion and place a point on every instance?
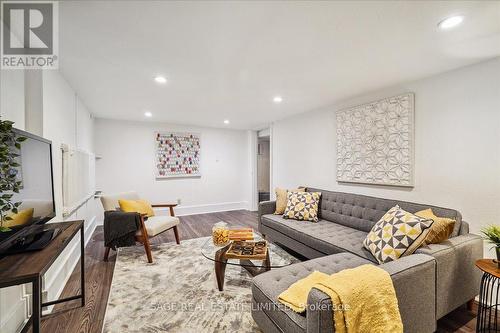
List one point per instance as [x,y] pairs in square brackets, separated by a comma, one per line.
[361,212]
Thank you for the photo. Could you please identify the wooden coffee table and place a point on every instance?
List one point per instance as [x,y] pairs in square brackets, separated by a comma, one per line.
[255,265]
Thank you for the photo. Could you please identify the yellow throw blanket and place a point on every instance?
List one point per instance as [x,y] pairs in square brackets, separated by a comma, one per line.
[363,299]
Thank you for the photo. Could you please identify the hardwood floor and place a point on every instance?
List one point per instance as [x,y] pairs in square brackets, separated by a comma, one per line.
[70,318]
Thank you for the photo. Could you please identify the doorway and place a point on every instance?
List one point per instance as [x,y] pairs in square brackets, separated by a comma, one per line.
[263,167]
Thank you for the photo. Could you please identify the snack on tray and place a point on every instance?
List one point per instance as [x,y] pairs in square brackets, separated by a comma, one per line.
[241,234]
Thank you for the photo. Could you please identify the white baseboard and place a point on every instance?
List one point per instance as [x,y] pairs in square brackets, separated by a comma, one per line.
[209,208]
[201,209]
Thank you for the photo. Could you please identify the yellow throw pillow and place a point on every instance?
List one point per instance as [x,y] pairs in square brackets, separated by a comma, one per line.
[440,230]
[139,206]
[24,216]
[281,198]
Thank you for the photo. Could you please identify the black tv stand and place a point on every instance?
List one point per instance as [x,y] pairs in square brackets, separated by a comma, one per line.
[29,267]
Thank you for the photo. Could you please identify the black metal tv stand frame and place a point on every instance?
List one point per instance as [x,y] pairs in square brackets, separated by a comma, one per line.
[29,267]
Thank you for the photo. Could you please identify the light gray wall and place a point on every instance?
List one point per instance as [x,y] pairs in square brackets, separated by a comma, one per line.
[127,162]
[457,144]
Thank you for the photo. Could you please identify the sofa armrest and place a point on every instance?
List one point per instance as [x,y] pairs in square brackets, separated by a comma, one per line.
[464,228]
[413,278]
[265,207]
[319,312]
[457,279]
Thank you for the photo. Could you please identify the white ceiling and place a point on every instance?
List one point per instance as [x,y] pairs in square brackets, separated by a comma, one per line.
[226,60]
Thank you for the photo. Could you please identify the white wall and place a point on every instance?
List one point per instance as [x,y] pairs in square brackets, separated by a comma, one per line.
[12,96]
[59,119]
[67,121]
[457,144]
[127,154]
[64,119]
[14,301]
[85,128]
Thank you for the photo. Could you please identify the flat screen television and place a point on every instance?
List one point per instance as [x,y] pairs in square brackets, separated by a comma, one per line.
[36,196]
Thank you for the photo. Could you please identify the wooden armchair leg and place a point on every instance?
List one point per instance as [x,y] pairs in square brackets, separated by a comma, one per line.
[106,253]
[144,239]
[176,233]
[147,247]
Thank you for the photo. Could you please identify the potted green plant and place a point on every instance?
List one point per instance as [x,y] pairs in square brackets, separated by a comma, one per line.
[10,144]
[492,235]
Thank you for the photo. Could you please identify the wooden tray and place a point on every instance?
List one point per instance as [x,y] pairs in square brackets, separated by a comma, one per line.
[247,250]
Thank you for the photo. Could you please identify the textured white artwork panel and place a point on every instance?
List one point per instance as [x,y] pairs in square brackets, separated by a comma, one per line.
[375,142]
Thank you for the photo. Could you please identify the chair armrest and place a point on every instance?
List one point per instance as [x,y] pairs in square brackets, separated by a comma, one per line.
[170,206]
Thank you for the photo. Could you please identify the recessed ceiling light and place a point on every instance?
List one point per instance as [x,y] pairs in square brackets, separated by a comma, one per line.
[226,122]
[160,79]
[450,22]
[277,99]
[148,114]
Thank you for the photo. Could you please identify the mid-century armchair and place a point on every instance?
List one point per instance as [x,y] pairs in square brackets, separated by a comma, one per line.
[149,227]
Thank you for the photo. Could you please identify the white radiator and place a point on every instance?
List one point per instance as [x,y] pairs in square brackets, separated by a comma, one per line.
[78,178]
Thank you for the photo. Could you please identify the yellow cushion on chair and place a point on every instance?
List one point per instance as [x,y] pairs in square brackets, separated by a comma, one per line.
[138,206]
[158,224]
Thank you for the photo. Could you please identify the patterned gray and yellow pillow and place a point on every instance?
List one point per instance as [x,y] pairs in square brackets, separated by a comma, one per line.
[302,206]
[397,234]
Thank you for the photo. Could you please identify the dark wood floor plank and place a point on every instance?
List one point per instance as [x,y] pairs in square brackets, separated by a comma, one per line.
[99,275]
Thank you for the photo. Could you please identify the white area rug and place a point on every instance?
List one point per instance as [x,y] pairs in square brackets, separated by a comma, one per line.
[178,292]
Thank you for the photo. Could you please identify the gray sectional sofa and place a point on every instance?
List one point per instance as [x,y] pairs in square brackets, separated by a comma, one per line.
[429,284]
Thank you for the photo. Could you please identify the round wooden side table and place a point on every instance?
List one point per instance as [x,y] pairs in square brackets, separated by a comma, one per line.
[487,312]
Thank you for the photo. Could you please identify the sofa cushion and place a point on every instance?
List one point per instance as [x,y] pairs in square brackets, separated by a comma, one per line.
[267,286]
[362,212]
[323,236]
